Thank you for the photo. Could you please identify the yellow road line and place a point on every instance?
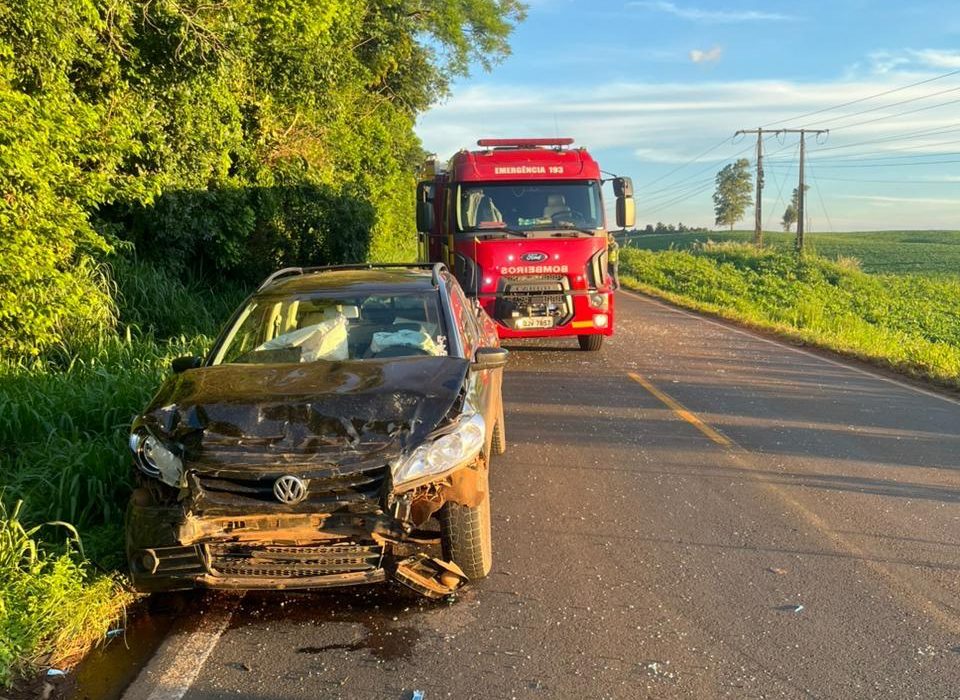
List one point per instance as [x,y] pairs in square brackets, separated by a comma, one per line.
[740,456]
[682,412]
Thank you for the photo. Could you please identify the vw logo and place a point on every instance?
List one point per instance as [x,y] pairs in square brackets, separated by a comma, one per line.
[534,257]
[289,489]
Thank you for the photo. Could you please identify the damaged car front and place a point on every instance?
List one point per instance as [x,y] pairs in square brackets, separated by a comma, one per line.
[338,416]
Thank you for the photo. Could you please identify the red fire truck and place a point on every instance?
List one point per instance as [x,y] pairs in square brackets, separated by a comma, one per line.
[521,224]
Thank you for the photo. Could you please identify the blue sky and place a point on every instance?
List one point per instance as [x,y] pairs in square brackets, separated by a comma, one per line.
[649,85]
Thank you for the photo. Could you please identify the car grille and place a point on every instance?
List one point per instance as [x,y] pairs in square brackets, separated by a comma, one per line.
[281,561]
[327,491]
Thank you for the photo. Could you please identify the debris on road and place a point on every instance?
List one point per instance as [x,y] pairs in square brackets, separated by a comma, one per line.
[790,608]
[658,669]
[430,577]
[417,695]
[776,570]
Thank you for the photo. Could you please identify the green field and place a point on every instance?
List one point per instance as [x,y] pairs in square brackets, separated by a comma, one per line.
[908,322]
[933,253]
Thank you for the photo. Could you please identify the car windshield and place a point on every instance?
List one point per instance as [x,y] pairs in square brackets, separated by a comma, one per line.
[529,206]
[334,328]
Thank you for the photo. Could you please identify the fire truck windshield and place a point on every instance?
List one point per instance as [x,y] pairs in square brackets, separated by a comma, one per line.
[530,206]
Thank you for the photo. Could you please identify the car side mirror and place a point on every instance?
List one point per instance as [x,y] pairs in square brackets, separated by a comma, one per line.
[182,364]
[490,358]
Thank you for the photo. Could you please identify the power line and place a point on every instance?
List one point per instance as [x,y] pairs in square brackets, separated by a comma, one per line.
[895,137]
[891,182]
[710,166]
[684,165]
[888,106]
[888,165]
[865,99]
[849,156]
[823,207]
[866,158]
[898,114]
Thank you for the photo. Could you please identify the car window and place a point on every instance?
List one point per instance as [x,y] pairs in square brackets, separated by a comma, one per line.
[334,328]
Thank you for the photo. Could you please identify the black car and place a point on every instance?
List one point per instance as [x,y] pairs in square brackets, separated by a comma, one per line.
[341,425]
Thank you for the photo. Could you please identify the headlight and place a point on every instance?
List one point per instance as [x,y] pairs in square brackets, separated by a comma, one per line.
[443,453]
[598,301]
[154,459]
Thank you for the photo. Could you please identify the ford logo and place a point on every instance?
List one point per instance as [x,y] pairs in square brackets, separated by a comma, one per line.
[534,257]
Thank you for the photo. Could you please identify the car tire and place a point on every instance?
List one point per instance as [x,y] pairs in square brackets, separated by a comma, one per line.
[465,537]
[590,343]
[499,442]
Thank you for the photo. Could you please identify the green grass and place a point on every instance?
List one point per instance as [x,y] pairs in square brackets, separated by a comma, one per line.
[51,604]
[908,322]
[930,253]
[64,422]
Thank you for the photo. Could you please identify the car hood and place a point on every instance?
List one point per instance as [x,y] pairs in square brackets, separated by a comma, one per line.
[230,416]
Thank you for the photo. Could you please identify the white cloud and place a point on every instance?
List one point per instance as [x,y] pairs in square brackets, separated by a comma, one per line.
[938,59]
[709,56]
[646,128]
[697,14]
[914,59]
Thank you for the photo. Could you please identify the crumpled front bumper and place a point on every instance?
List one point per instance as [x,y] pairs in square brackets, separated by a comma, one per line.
[170,547]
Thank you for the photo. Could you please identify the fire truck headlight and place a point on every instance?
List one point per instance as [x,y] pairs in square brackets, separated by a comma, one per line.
[598,301]
[600,320]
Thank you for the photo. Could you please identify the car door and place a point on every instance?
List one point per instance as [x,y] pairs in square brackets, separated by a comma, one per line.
[484,386]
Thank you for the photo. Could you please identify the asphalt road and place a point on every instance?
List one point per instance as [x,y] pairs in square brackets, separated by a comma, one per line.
[664,509]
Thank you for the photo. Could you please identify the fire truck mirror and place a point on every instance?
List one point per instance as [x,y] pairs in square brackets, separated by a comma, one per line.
[424,216]
[425,206]
[626,212]
[622,187]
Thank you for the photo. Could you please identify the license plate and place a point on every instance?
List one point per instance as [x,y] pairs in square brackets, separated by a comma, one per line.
[535,322]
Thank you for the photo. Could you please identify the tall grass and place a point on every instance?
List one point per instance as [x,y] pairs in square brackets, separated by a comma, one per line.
[911,323]
[64,421]
[50,603]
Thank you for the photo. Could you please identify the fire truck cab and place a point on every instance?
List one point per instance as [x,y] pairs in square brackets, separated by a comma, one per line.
[521,223]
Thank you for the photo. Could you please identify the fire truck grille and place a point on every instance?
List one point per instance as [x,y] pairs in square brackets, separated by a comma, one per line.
[534,296]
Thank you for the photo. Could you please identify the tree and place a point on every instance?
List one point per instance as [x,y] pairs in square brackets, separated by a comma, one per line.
[789,217]
[792,211]
[217,138]
[733,193]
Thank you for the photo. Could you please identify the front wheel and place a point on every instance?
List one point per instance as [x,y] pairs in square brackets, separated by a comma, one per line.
[590,343]
[465,537]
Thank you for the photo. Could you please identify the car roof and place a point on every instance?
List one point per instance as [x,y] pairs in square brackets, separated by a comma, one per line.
[398,279]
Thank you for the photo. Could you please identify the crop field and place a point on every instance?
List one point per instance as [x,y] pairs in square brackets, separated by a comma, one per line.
[930,253]
[907,322]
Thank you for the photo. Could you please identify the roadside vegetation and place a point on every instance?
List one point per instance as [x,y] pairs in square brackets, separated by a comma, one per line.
[156,159]
[907,322]
[930,253]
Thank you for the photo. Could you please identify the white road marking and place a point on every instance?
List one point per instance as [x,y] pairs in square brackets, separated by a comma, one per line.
[780,344]
[177,663]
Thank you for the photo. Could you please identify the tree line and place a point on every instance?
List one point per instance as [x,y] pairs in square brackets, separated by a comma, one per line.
[218,138]
[734,195]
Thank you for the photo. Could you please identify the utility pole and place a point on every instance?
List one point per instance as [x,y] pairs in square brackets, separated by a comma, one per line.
[802,189]
[758,203]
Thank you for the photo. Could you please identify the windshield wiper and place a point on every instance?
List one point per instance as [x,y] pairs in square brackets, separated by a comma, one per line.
[574,229]
[508,231]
